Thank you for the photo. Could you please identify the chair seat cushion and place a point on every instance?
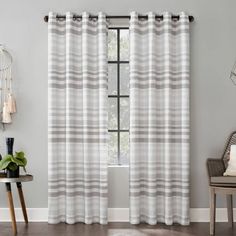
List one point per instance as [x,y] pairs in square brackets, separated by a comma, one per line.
[223,180]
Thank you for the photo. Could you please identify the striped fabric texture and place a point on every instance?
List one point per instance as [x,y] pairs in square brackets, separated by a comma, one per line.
[77,123]
[159,120]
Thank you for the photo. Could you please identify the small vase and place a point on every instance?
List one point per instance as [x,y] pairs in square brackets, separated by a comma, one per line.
[13,174]
[10,173]
[10,143]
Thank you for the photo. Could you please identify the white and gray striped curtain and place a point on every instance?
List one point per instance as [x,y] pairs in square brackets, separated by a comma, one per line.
[77,124]
[159,122]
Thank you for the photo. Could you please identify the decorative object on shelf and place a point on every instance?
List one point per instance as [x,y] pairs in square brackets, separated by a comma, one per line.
[10,143]
[10,162]
[8,103]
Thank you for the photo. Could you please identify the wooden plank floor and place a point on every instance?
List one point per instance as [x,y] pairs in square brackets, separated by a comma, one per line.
[115,229]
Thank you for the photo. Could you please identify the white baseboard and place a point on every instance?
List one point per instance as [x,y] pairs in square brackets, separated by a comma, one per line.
[34,214]
[114,214]
[203,215]
[118,214]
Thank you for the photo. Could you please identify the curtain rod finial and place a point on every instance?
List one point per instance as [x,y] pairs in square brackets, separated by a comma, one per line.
[46,18]
[191,18]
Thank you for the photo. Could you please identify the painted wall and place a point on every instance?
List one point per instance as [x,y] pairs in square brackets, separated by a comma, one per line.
[213,96]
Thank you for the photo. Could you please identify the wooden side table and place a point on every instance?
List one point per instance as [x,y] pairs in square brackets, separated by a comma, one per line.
[18,181]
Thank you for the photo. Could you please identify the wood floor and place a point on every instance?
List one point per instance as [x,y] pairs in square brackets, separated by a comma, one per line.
[115,229]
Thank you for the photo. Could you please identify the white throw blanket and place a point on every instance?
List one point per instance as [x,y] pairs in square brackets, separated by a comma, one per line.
[231,169]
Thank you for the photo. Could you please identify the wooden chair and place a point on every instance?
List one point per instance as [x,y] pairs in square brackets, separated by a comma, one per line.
[221,184]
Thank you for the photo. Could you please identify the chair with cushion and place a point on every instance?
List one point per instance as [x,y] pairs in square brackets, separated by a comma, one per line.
[221,184]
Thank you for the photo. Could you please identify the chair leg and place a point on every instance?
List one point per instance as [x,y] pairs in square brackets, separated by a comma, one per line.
[230,209]
[212,210]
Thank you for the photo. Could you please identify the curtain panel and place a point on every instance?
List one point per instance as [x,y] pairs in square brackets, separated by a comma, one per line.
[159,120]
[77,119]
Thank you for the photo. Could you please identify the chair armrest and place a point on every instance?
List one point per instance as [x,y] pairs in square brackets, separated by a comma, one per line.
[215,167]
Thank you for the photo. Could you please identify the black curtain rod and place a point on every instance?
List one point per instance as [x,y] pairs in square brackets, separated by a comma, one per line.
[159,17]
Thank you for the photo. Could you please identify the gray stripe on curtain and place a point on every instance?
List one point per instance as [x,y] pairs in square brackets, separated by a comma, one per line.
[77,120]
[159,120]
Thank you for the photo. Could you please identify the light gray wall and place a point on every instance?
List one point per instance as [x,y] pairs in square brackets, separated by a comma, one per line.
[213,96]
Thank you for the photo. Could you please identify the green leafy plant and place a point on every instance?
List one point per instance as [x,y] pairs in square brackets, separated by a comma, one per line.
[12,162]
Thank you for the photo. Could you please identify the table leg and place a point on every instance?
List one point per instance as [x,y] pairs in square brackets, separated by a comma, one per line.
[11,206]
[22,201]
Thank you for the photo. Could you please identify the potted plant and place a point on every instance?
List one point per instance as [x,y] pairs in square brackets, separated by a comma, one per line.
[11,164]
